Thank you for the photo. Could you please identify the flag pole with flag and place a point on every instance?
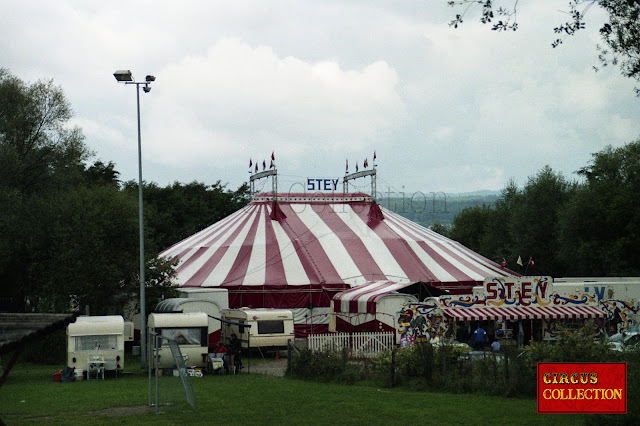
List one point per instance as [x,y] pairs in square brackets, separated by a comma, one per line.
[529,264]
[519,261]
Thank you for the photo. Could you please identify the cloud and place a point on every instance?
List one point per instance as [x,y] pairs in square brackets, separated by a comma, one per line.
[238,98]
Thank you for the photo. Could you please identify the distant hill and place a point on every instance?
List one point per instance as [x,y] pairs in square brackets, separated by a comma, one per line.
[428,208]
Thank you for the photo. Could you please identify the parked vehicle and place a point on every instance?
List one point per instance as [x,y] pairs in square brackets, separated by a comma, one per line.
[188,330]
[258,328]
[97,338]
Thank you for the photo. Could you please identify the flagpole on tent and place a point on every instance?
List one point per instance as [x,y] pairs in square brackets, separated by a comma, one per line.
[528,264]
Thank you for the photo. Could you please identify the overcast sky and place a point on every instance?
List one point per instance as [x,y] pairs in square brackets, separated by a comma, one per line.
[319,82]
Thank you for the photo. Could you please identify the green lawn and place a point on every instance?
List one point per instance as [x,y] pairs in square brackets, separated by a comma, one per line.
[30,396]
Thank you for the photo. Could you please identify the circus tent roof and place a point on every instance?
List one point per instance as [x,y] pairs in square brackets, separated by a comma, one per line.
[328,241]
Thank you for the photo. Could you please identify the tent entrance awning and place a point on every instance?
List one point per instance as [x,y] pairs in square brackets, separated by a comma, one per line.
[524,312]
[363,298]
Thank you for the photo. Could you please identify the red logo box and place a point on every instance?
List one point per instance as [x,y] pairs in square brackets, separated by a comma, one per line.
[582,388]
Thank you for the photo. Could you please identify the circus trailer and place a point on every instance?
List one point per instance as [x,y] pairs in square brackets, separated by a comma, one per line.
[373,306]
[514,310]
[296,251]
[96,339]
[619,297]
[213,307]
[189,330]
[258,328]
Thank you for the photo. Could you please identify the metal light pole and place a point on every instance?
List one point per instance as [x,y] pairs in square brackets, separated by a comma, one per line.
[124,76]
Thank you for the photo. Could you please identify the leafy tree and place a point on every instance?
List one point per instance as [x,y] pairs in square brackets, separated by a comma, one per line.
[600,226]
[69,233]
[37,149]
[470,227]
[177,211]
[522,223]
[620,34]
[440,228]
[534,220]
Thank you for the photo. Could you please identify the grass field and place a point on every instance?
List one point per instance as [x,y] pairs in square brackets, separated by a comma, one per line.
[30,396]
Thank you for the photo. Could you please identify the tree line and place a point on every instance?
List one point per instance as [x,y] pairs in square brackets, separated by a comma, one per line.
[585,227]
[69,226]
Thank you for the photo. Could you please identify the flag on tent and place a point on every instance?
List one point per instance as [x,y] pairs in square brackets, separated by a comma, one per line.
[374,156]
[531,263]
[273,156]
[519,262]
[503,264]
[250,163]
[366,163]
[271,165]
[347,169]
[264,164]
[356,166]
[256,167]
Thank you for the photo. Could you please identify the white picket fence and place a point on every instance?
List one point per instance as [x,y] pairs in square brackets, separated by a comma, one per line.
[359,345]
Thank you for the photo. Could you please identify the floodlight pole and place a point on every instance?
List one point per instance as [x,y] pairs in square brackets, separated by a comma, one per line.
[126,78]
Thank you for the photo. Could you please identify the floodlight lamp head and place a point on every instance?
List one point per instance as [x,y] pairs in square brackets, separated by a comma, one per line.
[150,78]
[123,75]
[146,89]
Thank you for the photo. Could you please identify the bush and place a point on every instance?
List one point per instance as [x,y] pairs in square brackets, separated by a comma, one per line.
[50,349]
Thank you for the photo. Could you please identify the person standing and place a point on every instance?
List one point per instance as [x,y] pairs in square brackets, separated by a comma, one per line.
[235,346]
[479,338]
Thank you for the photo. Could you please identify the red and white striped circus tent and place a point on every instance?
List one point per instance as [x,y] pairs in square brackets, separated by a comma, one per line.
[297,251]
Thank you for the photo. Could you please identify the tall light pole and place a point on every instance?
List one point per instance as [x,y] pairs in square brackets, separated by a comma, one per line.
[124,76]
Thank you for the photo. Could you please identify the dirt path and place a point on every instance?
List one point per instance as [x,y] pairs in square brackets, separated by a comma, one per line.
[271,367]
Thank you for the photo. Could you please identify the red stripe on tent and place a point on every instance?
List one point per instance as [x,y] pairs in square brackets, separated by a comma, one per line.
[200,236]
[241,262]
[419,237]
[201,275]
[204,240]
[275,276]
[470,261]
[473,260]
[314,260]
[409,262]
[354,245]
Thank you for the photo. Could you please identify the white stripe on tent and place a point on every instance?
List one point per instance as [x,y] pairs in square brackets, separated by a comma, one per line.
[377,248]
[436,270]
[437,244]
[256,270]
[331,244]
[220,272]
[433,239]
[293,269]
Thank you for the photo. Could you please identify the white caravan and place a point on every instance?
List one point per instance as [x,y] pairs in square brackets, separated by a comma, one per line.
[263,327]
[98,338]
[189,330]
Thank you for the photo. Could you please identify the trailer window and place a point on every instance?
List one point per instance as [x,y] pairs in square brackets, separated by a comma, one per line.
[185,336]
[92,343]
[270,327]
